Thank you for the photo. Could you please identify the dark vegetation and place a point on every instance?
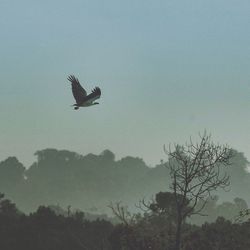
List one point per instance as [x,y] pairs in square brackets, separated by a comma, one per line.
[46,229]
[179,204]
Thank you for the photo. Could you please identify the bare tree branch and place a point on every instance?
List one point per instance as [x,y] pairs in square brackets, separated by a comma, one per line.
[196,169]
[122,213]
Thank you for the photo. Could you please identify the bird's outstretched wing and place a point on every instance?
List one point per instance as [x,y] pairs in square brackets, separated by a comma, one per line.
[95,94]
[78,91]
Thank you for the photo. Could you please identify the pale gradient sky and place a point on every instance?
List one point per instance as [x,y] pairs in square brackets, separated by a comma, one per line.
[167,69]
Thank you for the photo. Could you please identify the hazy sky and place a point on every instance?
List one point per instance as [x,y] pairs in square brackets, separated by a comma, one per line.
[167,69]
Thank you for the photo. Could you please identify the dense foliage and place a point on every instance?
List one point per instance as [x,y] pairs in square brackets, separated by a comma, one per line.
[48,229]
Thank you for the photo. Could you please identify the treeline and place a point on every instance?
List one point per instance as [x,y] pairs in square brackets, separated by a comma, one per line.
[90,182]
[212,210]
[48,229]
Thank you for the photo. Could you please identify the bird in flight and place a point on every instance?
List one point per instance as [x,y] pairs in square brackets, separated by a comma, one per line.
[80,94]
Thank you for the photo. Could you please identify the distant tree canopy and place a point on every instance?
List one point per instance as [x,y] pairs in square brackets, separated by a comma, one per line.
[108,155]
[213,209]
[12,177]
[11,171]
[64,177]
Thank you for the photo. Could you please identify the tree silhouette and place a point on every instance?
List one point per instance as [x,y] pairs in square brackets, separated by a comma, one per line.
[195,170]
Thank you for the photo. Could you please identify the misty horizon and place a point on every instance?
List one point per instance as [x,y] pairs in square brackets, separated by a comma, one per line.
[167,71]
[117,158]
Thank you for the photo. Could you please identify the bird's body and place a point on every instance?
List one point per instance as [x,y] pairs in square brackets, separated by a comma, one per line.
[80,94]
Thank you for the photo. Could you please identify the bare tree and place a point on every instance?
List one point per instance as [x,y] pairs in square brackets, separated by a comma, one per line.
[128,220]
[196,171]
[121,212]
[242,216]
